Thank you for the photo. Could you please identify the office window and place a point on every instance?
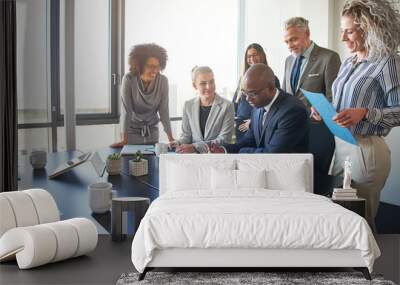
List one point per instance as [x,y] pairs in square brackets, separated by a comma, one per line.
[40,43]
[34,139]
[193,33]
[90,138]
[33,84]
[92,38]
[32,61]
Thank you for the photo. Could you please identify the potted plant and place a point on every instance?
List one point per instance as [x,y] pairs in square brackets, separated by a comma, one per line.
[114,164]
[138,166]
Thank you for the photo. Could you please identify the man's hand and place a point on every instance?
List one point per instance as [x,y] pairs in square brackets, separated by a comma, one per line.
[350,117]
[214,148]
[315,115]
[245,126]
[173,145]
[185,148]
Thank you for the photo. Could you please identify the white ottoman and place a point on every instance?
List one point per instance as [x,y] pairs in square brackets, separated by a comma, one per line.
[31,232]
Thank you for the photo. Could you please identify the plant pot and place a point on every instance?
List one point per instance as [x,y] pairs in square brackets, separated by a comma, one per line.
[114,166]
[138,168]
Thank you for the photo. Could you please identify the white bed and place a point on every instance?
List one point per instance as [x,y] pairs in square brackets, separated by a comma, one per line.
[201,219]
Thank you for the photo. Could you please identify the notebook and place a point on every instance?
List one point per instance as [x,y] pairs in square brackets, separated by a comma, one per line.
[130,149]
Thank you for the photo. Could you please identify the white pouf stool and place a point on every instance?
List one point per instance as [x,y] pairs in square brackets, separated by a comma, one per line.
[31,232]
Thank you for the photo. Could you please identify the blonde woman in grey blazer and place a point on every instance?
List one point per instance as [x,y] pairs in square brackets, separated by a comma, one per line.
[207,118]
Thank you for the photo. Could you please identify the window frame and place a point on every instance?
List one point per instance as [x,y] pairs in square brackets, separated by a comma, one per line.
[53,74]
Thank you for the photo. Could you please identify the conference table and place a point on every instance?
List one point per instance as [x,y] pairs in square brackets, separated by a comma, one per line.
[70,189]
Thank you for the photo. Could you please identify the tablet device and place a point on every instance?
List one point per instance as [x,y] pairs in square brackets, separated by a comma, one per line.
[67,166]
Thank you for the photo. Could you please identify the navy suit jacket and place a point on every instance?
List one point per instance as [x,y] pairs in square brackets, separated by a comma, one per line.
[286,129]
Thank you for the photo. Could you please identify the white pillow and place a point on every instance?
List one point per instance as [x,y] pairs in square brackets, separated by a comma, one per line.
[223,179]
[251,178]
[280,174]
[236,179]
[291,179]
[188,175]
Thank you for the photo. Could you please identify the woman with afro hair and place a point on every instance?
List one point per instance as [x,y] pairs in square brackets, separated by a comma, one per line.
[144,97]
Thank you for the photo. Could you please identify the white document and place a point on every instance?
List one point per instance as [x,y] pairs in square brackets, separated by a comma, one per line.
[130,149]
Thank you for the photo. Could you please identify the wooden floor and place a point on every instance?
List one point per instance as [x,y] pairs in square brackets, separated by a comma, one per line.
[102,266]
[111,259]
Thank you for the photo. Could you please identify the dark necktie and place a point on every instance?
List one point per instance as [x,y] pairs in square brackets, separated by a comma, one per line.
[260,121]
[295,75]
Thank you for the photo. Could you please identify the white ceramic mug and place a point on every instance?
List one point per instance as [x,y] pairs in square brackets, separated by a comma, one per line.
[100,196]
[160,148]
[38,159]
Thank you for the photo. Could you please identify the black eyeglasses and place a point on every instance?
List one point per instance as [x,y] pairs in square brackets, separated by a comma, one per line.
[254,93]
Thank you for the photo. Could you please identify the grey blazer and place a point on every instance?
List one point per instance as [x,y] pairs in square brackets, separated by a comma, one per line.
[318,75]
[219,126]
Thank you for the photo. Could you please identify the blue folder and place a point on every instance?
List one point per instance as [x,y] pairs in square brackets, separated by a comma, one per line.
[326,111]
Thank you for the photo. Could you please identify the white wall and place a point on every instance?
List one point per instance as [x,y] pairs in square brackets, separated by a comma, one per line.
[338,46]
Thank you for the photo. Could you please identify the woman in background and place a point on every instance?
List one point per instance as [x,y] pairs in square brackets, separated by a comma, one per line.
[254,54]
[144,97]
[366,95]
[206,118]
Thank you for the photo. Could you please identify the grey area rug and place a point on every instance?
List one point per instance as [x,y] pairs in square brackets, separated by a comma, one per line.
[225,278]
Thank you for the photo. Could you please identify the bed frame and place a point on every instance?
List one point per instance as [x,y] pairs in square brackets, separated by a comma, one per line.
[245,258]
[242,259]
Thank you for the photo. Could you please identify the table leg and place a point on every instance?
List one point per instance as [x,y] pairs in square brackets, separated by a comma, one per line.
[116,221]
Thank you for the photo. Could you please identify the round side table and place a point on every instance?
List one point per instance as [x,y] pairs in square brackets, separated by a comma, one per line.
[137,205]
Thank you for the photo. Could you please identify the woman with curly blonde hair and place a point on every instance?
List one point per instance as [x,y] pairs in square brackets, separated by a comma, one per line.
[366,95]
[144,96]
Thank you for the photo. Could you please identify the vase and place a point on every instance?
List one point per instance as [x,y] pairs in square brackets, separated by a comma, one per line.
[114,166]
[138,168]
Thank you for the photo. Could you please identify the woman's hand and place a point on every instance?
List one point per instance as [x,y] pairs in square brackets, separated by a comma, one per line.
[214,148]
[121,143]
[185,148]
[118,144]
[170,138]
[315,115]
[245,126]
[350,117]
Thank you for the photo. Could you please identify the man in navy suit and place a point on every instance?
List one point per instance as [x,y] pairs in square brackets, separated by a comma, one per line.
[279,122]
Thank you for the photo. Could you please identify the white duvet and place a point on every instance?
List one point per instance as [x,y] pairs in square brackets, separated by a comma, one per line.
[252,218]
